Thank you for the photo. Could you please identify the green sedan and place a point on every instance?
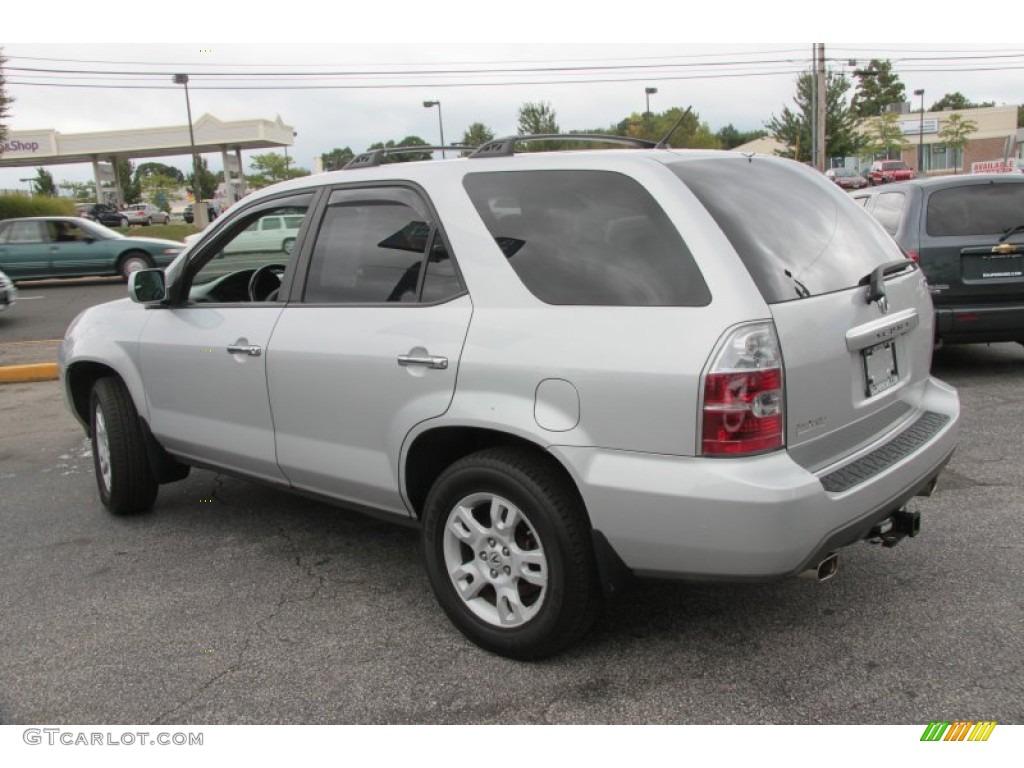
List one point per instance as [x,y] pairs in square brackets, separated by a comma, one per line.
[68,246]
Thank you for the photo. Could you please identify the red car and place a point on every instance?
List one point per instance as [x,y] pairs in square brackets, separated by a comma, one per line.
[886,171]
[847,178]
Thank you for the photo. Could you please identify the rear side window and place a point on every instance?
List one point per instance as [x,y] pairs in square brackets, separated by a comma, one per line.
[797,233]
[975,209]
[888,210]
[588,238]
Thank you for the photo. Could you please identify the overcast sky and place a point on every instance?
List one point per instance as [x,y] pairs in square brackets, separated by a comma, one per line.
[742,83]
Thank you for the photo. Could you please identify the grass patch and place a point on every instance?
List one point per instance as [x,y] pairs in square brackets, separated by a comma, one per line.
[176,232]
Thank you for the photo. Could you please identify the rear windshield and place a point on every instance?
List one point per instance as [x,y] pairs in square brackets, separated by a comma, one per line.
[895,165]
[587,238]
[975,209]
[798,234]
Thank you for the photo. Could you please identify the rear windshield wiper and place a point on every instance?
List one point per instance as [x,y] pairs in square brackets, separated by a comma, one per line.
[876,279]
[1011,231]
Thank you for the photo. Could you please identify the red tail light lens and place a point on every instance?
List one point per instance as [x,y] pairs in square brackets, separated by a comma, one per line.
[913,255]
[744,395]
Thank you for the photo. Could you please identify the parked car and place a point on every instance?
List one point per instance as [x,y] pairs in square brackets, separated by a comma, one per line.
[66,246]
[146,214]
[107,215]
[211,212]
[269,233]
[888,171]
[684,364]
[8,293]
[966,232]
[846,178]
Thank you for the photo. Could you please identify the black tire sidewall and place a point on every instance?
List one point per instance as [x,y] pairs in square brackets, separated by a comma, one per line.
[133,488]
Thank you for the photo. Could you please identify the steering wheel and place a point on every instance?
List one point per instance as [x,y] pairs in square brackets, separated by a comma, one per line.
[265,282]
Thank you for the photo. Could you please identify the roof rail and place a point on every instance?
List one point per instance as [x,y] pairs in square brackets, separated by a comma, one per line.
[376,156]
[505,147]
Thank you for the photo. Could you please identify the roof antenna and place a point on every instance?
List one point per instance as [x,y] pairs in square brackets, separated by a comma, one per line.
[663,144]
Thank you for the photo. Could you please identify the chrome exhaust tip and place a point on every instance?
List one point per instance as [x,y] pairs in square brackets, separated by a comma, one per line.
[824,571]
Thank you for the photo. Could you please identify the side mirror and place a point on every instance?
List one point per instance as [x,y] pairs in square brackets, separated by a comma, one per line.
[147,286]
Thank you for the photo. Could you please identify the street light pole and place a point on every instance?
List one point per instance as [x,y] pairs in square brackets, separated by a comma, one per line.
[647,93]
[183,80]
[920,134]
[440,122]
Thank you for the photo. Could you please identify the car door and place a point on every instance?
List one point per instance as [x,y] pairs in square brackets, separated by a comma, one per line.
[75,252]
[204,357]
[369,348]
[24,249]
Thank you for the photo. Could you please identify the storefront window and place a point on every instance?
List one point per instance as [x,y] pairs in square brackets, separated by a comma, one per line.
[939,157]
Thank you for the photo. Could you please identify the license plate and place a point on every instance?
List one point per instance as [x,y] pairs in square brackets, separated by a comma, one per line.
[880,371]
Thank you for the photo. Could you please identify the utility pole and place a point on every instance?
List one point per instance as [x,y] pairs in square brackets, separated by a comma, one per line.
[820,111]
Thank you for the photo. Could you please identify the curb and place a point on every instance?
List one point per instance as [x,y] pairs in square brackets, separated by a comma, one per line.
[16,374]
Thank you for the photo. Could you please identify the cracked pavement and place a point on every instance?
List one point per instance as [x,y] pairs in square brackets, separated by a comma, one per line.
[232,603]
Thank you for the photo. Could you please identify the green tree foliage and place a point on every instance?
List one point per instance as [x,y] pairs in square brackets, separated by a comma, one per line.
[208,181]
[405,157]
[477,134]
[884,136]
[126,178]
[956,132]
[957,100]
[80,191]
[537,117]
[730,137]
[44,183]
[5,103]
[337,158]
[877,87]
[159,189]
[16,206]
[793,127]
[270,168]
[159,169]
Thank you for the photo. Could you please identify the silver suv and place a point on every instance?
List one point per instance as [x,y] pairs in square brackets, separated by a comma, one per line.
[566,369]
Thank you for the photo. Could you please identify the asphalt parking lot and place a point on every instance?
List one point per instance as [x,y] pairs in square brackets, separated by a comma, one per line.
[230,603]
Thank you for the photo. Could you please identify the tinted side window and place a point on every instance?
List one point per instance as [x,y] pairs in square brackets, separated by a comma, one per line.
[797,233]
[440,280]
[370,248]
[587,238]
[889,209]
[975,209]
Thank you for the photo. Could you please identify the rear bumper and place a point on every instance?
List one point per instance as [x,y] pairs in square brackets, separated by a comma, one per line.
[964,324]
[759,518]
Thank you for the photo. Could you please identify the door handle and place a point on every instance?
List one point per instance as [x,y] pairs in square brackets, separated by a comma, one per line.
[245,349]
[419,356]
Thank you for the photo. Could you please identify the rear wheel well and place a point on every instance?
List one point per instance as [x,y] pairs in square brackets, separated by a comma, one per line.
[434,451]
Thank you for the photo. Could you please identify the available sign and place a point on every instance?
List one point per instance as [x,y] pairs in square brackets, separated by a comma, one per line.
[998,166]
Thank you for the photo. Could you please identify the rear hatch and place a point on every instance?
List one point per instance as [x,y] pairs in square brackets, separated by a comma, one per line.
[856,348]
[964,246]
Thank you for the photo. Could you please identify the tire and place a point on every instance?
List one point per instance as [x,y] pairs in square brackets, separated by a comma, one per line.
[538,593]
[287,245]
[147,222]
[133,262]
[123,476]
[124,222]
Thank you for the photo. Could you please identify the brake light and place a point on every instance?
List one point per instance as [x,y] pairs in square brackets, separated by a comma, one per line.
[913,255]
[744,395]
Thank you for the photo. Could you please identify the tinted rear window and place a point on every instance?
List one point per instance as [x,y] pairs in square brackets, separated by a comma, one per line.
[888,210]
[587,238]
[798,234]
[975,209]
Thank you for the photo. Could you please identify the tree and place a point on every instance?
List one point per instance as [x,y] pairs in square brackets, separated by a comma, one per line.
[80,190]
[270,168]
[957,100]
[208,181]
[537,117]
[477,135]
[793,127]
[956,132]
[44,183]
[654,126]
[405,157]
[130,188]
[159,189]
[159,169]
[5,104]
[336,159]
[878,87]
[730,137]
[885,135]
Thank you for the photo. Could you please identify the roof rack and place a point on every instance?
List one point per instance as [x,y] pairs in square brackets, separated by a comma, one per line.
[505,147]
[376,156]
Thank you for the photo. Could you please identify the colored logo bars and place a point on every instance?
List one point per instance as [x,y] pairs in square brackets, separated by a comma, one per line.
[959,730]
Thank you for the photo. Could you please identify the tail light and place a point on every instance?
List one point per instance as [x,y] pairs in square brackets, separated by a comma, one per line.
[913,255]
[744,395]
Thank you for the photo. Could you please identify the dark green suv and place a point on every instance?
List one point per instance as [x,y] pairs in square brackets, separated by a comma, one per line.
[967,232]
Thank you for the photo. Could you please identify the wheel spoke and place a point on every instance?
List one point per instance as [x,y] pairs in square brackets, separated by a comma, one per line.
[532,567]
[468,580]
[466,528]
[511,612]
[504,518]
